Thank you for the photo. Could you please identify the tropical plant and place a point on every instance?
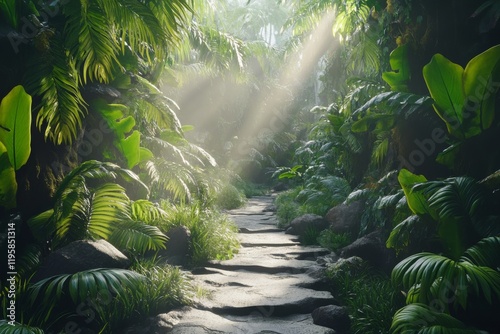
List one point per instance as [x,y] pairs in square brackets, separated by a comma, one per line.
[213,234]
[75,48]
[86,209]
[162,289]
[465,100]
[419,318]
[465,229]
[15,141]
[63,297]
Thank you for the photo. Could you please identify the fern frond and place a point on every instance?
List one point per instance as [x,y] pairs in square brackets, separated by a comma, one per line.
[53,76]
[137,237]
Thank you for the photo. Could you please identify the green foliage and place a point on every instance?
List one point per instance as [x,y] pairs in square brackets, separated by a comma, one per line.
[15,121]
[15,141]
[286,207]
[415,199]
[421,319]
[332,240]
[85,210]
[85,42]
[230,198]
[464,98]
[310,236]
[213,234]
[400,75]
[428,277]
[370,297]
[126,140]
[322,193]
[17,328]
[162,289]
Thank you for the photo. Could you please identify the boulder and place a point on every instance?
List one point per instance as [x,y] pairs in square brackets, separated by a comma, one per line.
[80,256]
[372,249]
[301,224]
[334,317]
[346,218]
[178,245]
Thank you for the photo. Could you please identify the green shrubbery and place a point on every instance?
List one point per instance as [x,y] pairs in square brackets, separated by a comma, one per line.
[370,296]
[213,234]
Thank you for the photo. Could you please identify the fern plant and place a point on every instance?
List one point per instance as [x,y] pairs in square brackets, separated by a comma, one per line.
[85,207]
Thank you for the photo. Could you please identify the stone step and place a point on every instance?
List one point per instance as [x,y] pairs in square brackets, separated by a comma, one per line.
[192,321]
[267,239]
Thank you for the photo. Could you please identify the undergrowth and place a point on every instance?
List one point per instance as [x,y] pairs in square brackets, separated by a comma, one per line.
[369,295]
[213,234]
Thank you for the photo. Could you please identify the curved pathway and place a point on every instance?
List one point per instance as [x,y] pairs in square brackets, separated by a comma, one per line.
[270,286]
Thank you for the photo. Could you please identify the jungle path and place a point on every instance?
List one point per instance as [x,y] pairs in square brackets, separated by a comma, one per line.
[271,286]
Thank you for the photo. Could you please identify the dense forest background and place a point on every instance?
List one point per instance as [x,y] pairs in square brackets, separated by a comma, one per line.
[122,119]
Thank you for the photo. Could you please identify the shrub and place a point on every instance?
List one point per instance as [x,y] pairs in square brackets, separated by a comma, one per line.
[213,234]
[286,207]
[370,297]
[333,241]
[165,288]
[230,198]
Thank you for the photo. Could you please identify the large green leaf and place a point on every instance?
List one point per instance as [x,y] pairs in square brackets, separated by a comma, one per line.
[8,9]
[82,285]
[15,119]
[17,328]
[421,319]
[126,140]
[481,83]
[8,184]
[444,81]
[415,199]
[398,79]
[137,237]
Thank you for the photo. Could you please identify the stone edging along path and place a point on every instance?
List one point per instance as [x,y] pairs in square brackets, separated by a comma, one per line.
[270,286]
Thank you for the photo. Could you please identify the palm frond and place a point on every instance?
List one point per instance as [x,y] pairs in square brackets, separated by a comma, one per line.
[17,328]
[484,253]
[456,198]
[104,171]
[147,212]
[82,285]
[53,76]
[437,275]
[137,237]
[91,40]
[421,319]
[172,177]
[94,215]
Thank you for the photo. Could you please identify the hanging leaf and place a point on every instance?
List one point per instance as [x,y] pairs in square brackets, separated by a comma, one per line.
[481,83]
[398,78]
[8,184]
[444,81]
[415,199]
[15,119]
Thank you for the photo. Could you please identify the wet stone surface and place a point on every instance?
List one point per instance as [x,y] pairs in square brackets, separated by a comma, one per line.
[265,288]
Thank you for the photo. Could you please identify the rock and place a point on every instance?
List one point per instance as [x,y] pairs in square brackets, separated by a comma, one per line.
[346,218]
[301,224]
[260,321]
[179,242]
[162,323]
[79,256]
[372,249]
[334,317]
